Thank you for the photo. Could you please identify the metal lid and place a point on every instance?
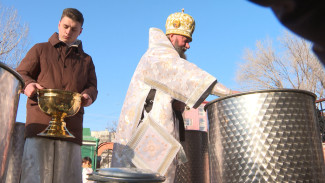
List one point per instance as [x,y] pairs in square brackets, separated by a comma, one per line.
[260,91]
[129,174]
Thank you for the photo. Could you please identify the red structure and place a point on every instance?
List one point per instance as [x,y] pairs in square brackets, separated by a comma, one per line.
[196,119]
[104,146]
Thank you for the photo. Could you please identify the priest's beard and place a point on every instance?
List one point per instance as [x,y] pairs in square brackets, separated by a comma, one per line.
[180,50]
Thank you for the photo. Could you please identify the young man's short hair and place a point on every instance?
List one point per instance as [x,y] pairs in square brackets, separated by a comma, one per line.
[74,14]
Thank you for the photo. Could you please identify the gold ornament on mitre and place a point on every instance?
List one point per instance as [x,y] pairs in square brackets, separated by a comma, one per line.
[180,23]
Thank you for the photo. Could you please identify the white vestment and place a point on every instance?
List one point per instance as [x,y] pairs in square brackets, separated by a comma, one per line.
[160,68]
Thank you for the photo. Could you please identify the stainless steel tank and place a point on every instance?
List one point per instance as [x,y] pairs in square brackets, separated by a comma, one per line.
[11,84]
[265,136]
[196,169]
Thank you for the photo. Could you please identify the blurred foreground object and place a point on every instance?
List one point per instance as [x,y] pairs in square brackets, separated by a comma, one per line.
[11,85]
[305,18]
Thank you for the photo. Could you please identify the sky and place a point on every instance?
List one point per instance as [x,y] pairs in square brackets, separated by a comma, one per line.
[115,34]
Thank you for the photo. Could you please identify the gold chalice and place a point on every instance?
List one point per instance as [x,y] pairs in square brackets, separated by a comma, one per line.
[58,104]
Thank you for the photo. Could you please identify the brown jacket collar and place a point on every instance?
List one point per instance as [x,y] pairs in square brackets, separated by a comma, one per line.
[54,40]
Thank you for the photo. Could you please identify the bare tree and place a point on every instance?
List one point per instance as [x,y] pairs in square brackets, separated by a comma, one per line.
[294,66]
[112,126]
[13,37]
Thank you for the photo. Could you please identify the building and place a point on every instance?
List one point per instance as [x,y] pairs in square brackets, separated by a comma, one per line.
[196,119]
[104,136]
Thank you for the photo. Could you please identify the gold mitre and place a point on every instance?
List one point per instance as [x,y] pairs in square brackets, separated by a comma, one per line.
[180,23]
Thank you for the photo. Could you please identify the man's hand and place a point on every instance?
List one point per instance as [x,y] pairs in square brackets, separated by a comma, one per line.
[31,89]
[86,100]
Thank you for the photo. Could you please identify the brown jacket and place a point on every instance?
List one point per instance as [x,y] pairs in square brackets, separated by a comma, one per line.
[55,66]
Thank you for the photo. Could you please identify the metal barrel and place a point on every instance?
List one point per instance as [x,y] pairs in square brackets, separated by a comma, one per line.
[11,84]
[15,154]
[196,169]
[124,175]
[265,136]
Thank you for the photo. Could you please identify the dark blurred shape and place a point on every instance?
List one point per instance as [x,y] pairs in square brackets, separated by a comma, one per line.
[303,17]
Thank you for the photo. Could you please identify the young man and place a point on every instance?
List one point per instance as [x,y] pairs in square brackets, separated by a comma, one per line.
[61,64]
[167,82]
